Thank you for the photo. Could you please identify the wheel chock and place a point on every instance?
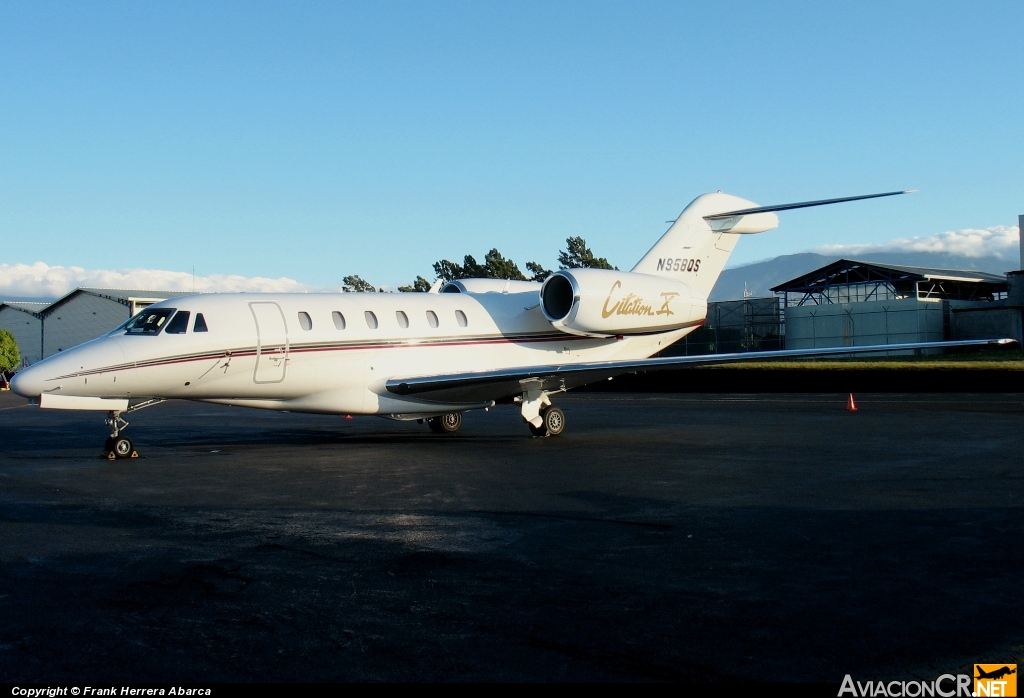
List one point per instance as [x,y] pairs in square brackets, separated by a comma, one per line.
[110,455]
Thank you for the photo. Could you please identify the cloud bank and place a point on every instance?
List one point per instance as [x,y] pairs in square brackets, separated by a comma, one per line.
[44,281]
[1000,241]
[41,280]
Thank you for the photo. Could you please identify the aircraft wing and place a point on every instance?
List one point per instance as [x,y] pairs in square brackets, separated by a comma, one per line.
[503,384]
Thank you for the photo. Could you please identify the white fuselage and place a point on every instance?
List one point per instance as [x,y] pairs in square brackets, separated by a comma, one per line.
[257,353]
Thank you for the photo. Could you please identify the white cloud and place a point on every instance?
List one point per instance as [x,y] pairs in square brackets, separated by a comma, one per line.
[45,281]
[1001,241]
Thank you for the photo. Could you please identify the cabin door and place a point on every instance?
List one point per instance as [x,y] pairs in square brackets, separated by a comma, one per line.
[271,343]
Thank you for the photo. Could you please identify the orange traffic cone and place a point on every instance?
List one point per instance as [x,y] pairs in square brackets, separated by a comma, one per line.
[850,404]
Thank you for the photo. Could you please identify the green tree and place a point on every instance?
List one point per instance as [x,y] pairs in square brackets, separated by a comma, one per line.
[420,284]
[10,355]
[539,272]
[355,283]
[469,269]
[577,255]
[497,267]
[449,271]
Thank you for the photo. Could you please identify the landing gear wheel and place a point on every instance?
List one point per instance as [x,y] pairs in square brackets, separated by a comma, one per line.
[122,447]
[446,423]
[554,422]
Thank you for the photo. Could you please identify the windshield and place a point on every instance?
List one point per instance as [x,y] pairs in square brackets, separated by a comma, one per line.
[149,321]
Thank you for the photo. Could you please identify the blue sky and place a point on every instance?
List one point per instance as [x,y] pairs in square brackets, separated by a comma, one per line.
[314,140]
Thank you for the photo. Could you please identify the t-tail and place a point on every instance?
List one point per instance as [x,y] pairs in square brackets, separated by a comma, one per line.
[696,247]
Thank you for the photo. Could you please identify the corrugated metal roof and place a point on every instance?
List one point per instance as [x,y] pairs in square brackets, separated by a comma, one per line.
[126,293]
[908,273]
[931,273]
[118,294]
[27,306]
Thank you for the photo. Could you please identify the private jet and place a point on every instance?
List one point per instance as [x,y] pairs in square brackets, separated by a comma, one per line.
[465,345]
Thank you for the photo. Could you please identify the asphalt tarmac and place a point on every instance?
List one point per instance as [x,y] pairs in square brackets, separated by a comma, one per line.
[662,537]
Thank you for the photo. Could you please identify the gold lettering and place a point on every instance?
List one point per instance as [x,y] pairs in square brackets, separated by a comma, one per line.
[667,297]
[605,313]
[629,305]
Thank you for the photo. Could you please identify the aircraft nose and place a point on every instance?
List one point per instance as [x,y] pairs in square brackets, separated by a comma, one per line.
[28,382]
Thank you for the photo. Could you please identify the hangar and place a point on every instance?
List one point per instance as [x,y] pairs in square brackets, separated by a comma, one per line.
[43,329]
[86,313]
[851,302]
[22,320]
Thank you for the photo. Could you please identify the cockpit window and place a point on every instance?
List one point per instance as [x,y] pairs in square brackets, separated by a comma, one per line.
[179,323]
[149,321]
[200,325]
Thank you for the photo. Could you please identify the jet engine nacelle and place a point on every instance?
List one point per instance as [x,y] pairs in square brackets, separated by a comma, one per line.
[605,303]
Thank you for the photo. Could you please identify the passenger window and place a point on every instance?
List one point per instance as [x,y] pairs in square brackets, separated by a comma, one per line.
[339,320]
[432,318]
[179,323]
[305,321]
[461,317]
[200,325]
[403,319]
[371,319]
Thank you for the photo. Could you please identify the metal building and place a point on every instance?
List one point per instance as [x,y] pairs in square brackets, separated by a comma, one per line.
[850,303]
[750,324]
[22,320]
[86,313]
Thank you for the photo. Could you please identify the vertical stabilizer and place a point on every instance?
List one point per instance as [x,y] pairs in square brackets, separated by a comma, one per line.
[695,250]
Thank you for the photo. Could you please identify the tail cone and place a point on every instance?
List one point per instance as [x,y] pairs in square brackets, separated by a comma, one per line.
[850,404]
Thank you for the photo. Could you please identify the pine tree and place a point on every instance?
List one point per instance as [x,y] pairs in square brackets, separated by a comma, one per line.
[577,255]
[420,284]
[355,283]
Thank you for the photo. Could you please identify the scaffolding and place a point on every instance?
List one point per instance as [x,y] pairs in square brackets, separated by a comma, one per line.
[750,324]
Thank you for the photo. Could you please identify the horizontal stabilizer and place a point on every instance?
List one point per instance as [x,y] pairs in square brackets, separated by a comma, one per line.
[802,204]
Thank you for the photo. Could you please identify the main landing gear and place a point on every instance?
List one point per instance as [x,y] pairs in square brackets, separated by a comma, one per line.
[553,422]
[445,423]
[543,418]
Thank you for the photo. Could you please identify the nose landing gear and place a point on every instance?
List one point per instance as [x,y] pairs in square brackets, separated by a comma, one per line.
[118,446]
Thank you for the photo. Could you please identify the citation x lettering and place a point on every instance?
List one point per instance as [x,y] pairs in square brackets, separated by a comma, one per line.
[470,344]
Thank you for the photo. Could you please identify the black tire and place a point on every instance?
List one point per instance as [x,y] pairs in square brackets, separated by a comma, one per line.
[108,445]
[122,447]
[554,420]
[553,424]
[446,423]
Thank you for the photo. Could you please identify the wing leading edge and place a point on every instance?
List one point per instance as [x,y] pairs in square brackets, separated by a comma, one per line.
[503,384]
[802,204]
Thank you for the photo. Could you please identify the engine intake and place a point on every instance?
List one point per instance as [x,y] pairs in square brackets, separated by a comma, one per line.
[604,303]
